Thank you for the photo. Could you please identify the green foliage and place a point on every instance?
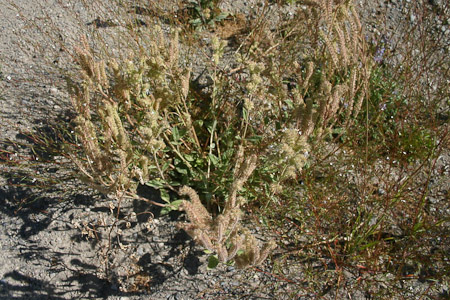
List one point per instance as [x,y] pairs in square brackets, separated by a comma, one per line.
[213,262]
[394,126]
[362,201]
[204,13]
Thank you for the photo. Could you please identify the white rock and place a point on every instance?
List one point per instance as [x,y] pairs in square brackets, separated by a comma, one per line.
[54,90]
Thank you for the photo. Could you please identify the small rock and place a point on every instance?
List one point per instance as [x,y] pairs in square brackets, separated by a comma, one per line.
[54,90]
[184,272]
[235,283]
[230,269]
[179,296]
[157,258]
[348,275]
[157,239]
[434,2]
[433,200]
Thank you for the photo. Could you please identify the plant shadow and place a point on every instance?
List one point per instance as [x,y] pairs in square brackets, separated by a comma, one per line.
[31,205]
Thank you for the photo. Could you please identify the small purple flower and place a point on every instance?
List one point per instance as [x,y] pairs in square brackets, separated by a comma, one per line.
[379,55]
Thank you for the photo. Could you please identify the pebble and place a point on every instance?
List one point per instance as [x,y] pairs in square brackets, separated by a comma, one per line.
[234,283]
[184,272]
[157,239]
[157,258]
[54,90]
[231,269]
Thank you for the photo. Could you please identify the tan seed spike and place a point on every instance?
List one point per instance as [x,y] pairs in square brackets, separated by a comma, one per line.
[355,19]
[185,83]
[342,45]
[239,160]
[198,211]
[104,81]
[331,49]
[309,72]
[265,251]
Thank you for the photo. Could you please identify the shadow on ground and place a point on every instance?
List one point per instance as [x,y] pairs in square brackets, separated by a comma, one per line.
[28,208]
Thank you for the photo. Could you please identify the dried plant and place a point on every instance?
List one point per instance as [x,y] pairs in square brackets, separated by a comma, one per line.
[302,80]
[142,120]
[224,234]
[119,120]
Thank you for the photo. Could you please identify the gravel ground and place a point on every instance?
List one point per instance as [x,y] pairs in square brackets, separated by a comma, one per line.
[53,247]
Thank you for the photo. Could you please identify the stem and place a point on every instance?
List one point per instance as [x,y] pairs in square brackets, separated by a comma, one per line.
[177,152]
[211,142]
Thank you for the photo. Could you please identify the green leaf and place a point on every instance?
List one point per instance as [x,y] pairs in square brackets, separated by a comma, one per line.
[230,263]
[213,261]
[244,114]
[214,159]
[165,196]
[155,183]
[165,210]
[196,22]
[369,245]
[175,205]
[255,138]
[227,154]
[174,183]
[211,127]
[240,252]
[418,227]
[165,166]
[222,16]
[182,170]
[175,134]
[289,103]
[189,157]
